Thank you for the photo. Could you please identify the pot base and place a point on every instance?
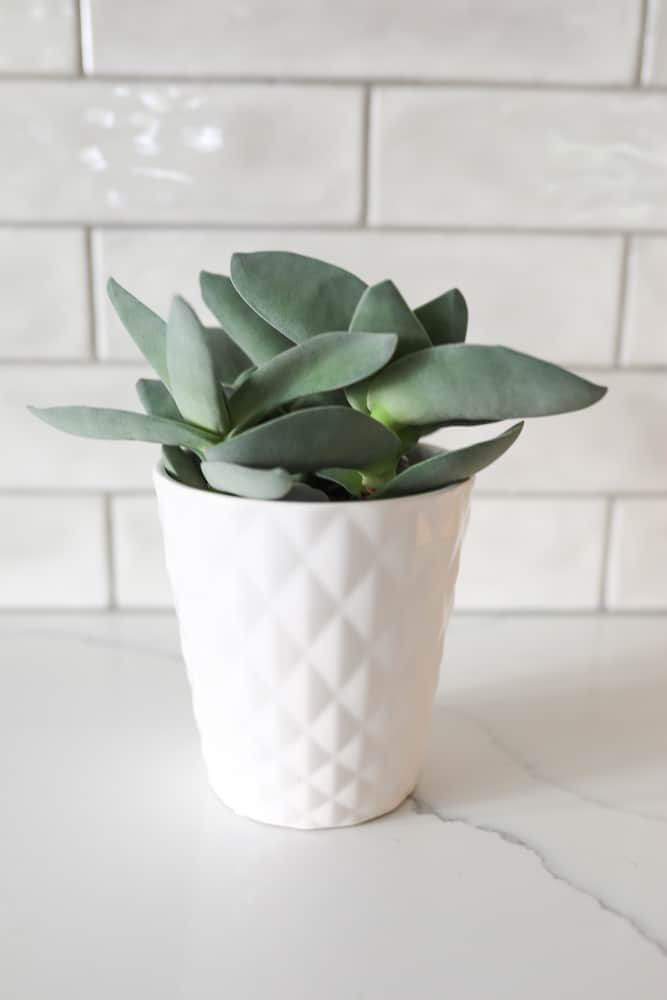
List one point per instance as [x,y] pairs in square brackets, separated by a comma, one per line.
[345,817]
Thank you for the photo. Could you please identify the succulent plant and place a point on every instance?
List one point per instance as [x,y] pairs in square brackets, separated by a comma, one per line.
[316,386]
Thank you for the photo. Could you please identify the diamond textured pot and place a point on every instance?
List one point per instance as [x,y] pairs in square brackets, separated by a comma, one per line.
[312,635]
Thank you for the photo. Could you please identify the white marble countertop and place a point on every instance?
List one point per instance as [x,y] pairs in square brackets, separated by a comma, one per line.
[532,862]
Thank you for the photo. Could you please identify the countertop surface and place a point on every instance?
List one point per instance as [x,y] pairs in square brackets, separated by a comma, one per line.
[531,862]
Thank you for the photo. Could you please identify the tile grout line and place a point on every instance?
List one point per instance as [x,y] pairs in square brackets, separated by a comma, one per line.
[85,38]
[644,26]
[619,330]
[411,228]
[90,291]
[606,551]
[416,228]
[365,157]
[76,28]
[308,82]
[112,604]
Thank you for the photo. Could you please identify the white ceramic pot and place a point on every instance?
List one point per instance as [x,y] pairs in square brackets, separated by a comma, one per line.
[312,635]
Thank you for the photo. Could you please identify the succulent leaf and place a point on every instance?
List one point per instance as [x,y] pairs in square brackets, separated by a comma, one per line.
[156,399]
[183,466]
[445,318]
[303,493]
[334,398]
[242,481]
[122,425]
[229,360]
[299,296]
[465,382]
[145,327]
[329,361]
[383,308]
[349,479]
[306,440]
[193,379]
[257,338]
[444,468]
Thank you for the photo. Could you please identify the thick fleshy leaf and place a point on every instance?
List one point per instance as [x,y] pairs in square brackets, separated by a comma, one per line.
[156,399]
[145,327]
[183,466]
[471,382]
[449,467]
[193,380]
[335,398]
[122,425]
[349,479]
[229,360]
[299,296]
[383,308]
[445,318]
[242,481]
[330,361]
[307,440]
[257,338]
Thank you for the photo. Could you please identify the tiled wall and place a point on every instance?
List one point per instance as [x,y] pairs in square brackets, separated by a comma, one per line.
[518,149]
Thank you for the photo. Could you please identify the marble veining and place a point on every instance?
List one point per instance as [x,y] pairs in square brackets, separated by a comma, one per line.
[424,809]
[528,862]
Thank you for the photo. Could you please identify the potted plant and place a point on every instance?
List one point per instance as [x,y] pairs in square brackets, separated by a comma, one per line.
[312,542]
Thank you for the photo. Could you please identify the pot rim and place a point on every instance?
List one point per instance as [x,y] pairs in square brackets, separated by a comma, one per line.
[161,474]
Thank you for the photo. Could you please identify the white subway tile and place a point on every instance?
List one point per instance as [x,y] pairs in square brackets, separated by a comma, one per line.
[638,555]
[645,328]
[200,153]
[554,296]
[38,36]
[618,444]
[460,39]
[38,456]
[52,552]
[483,157]
[44,293]
[139,570]
[524,553]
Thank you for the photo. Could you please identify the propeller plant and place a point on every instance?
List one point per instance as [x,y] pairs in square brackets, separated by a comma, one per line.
[316,386]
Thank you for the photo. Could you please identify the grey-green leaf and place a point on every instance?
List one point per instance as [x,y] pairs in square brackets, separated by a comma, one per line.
[445,318]
[183,466]
[242,481]
[471,382]
[383,308]
[145,327]
[330,361]
[306,440]
[229,361]
[156,399]
[257,338]
[449,467]
[122,425]
[349,479]
[299,296]
[193,379]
